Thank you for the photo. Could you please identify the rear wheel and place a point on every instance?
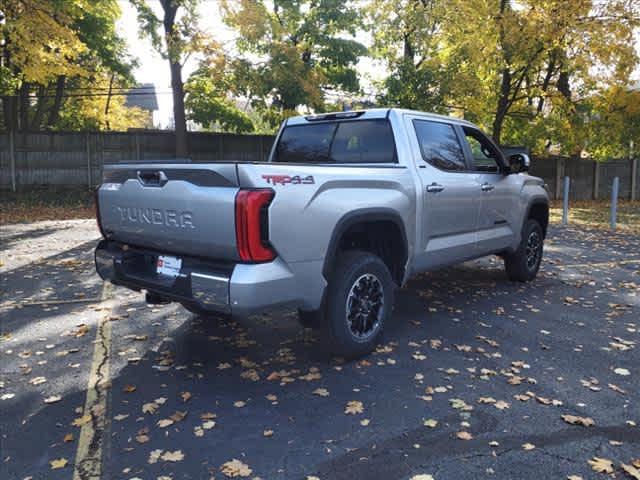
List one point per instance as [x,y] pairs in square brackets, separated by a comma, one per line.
[523,264]
[359,302]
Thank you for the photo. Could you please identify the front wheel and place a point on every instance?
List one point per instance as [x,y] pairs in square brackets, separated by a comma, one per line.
[359,303]
[523,264]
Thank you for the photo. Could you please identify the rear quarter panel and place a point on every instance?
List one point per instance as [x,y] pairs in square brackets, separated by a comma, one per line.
[302,217]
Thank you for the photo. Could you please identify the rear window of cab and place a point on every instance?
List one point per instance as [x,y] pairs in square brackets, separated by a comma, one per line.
[359,141]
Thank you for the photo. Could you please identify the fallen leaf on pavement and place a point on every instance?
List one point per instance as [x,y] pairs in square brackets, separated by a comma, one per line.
[235,468]
[616,388]
[150,408]
[431,423]
[632,471]
[80,421]
[58,463]
[601,465]
[154,455]
[575,420]
[176,456]
[322,392]
[353,407]
[37,380]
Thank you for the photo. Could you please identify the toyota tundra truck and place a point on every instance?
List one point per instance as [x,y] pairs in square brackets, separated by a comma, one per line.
[347,207]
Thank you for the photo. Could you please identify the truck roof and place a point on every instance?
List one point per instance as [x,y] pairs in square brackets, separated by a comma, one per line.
[372,113]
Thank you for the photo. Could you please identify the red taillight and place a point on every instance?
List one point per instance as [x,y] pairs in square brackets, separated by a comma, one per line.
[251,225]
[96,204]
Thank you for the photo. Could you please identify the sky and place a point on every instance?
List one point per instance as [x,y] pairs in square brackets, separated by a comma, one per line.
[154,69]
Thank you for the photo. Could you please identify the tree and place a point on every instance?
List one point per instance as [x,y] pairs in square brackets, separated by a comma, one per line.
[49,48]
[175,35]
[524,70]
[614,123]
[294,51]
[209,99]
[406,36]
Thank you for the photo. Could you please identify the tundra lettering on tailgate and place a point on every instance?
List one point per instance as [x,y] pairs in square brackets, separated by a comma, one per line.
[156,216]
[284,179]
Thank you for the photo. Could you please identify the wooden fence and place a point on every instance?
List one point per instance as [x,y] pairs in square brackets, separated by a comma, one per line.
[76,159]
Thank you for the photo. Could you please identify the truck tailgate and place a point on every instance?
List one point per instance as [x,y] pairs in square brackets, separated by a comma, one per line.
[178,208]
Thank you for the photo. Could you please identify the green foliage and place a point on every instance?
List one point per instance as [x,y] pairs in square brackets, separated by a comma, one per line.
[49,47]
[208,104]
[532,72]
[303,48]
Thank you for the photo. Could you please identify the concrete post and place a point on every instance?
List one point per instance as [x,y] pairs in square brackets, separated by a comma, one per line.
[12,159]
[614,201]
[565,201]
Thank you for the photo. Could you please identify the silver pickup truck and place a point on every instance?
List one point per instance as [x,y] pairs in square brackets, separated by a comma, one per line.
[347,207]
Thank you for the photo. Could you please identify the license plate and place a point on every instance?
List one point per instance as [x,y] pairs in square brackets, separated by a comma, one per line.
[169,266]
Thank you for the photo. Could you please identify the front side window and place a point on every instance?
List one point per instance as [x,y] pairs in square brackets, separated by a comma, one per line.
[360,141]
[439,145]
[484,154]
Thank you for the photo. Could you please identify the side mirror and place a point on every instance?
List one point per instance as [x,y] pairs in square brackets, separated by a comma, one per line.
[519,162]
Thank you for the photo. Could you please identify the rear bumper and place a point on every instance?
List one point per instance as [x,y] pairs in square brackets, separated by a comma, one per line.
[239,289]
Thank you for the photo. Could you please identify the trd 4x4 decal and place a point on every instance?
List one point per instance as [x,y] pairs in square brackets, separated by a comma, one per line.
[284,179]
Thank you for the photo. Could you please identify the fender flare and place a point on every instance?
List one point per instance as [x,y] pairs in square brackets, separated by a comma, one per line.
[354,217]
[537,200]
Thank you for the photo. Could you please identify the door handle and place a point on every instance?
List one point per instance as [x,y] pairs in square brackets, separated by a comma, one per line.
[152,178]
[434,188]
[486,187]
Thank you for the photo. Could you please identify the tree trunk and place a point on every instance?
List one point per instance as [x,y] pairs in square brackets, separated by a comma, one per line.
[57,102]
[24,106]
[182,148]
[503,105]
[177,87]
[106,107]
[505,84]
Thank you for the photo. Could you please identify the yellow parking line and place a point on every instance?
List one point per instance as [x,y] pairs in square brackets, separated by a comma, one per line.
[88,464]
[602,264]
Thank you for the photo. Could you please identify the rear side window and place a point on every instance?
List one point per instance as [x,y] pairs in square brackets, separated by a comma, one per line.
[362,141]
[439,145]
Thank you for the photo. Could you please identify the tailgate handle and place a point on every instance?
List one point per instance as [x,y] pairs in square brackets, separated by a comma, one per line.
[152,178]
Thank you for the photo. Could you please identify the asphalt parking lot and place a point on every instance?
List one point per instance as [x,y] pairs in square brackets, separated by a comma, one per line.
[473,379]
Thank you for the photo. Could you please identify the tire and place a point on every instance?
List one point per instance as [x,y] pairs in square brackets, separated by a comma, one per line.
[359,303]
[523,264]
[310,318]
